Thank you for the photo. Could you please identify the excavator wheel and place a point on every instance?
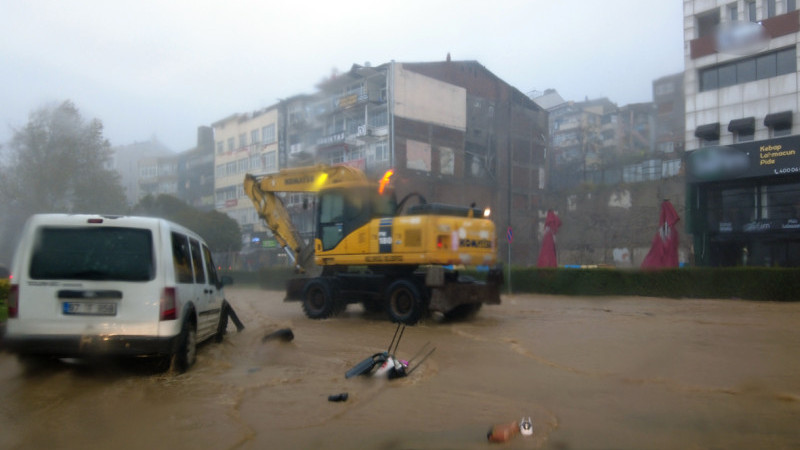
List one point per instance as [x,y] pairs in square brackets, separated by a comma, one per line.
[318,299]
[404,302]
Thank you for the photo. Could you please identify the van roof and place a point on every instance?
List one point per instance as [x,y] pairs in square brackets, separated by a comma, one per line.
[105,220]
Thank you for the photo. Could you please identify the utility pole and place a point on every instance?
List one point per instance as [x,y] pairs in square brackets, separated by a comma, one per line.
[508,206]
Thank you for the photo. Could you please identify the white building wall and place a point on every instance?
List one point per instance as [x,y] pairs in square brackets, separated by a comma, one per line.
[752,99]
[230,166]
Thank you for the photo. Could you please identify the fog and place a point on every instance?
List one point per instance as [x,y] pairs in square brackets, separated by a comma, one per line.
[162,69]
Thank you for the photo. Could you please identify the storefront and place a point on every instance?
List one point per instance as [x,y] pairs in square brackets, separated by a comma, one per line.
[743,203]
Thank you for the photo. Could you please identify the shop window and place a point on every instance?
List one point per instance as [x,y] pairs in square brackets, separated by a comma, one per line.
[782,201]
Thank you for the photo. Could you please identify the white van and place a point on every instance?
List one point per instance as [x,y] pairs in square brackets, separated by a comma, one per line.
[87,285]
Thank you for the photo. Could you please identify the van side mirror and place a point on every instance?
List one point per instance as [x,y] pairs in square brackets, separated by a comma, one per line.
[225,280]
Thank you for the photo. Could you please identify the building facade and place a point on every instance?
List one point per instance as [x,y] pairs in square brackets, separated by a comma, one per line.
[126,161]
[196,172]
[742,139]
[243,143]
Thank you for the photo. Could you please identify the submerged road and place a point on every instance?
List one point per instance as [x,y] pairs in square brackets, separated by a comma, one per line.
[621,373]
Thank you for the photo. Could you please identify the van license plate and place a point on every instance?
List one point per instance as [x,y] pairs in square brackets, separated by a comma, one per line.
[90,308]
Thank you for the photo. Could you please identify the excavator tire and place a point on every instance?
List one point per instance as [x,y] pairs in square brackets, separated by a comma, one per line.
[319,301]
[404,303]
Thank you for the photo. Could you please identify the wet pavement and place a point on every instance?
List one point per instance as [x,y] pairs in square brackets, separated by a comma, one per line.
[605,373]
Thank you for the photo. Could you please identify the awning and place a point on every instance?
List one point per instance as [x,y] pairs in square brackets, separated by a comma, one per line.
[709,132]
[743,126]
[778,120]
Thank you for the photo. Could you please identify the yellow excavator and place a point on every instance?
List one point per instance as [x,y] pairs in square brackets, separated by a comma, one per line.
[401,257]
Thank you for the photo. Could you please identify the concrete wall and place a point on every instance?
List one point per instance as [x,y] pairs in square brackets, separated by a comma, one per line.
[615,225]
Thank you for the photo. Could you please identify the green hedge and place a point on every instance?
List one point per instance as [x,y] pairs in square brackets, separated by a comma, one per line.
[749,283]
[752,283]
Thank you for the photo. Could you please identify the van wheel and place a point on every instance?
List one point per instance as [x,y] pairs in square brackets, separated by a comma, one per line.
[318,300]
[405,304]
[187,349]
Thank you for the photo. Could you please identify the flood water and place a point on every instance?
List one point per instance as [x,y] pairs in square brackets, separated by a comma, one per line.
[592,373]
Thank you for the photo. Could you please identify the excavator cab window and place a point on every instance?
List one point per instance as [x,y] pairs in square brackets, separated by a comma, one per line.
[342,211]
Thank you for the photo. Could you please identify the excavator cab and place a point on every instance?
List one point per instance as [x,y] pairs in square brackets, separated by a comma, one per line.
[343,209]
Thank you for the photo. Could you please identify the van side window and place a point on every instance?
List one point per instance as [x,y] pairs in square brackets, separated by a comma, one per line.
[197,262]
[212,271]
[181,258]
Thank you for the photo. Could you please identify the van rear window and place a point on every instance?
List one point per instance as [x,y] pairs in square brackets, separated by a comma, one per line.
[87,253]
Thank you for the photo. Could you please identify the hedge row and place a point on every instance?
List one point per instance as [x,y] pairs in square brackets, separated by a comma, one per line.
[749,283]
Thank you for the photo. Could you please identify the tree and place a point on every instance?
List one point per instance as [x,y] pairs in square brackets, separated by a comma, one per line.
[57,163]
[220,231]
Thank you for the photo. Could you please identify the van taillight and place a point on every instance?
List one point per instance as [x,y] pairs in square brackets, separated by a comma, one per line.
[169,305]
[13,301]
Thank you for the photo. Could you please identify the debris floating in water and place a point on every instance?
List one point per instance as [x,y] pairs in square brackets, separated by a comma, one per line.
[283,335]
[338,397]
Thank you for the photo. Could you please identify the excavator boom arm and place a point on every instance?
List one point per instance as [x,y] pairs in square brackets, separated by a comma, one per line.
[263,190]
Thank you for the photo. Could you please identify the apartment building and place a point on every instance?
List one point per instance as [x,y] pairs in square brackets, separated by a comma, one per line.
[196,172]
[742,134]
[243,143]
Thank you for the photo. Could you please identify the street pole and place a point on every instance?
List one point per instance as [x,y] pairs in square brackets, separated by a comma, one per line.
[508,146]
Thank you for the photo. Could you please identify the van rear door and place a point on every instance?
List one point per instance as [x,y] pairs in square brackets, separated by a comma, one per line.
[88,275]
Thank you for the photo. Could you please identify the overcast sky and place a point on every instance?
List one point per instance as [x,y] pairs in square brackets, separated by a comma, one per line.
[162,68]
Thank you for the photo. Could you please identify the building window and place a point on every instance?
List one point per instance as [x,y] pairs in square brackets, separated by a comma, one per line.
[791,5]
[231,144]
[243,165]
[418,155]
[750,7]
[744,135]
[771,8]
[708,134]
[743,129]
[255,162]
[242,140]
[446,161]
[379,153]
[779,124]
[254,137]
[268,134]
[707,23]
[220,147]
[270,162]
[782,201]
[781,130]
[733,12]
[336,157]
[760,67]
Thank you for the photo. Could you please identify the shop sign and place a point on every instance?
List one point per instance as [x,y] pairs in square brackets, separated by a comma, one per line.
[762,226]
[348,101]
[767,158]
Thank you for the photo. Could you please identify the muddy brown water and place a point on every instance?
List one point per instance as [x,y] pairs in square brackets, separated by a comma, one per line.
[605,373]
